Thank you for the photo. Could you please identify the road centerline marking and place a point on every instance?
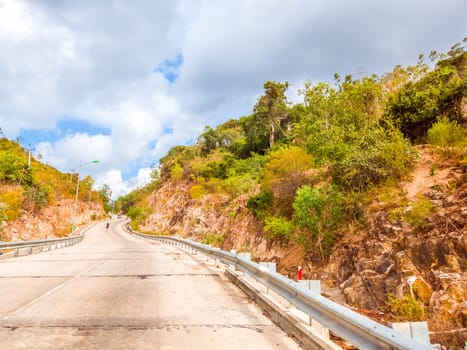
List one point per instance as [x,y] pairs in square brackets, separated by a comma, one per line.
[51,291]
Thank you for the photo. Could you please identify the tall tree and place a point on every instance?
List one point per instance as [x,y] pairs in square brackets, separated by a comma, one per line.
[271,108]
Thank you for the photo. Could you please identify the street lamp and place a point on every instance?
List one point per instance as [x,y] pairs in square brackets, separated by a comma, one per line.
[76,193]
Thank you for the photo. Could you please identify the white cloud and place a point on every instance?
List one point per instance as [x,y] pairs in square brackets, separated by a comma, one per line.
[76,149]
[119,187]
[106,63]
[114,179]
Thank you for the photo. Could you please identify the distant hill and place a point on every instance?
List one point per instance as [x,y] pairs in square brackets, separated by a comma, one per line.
[36,200]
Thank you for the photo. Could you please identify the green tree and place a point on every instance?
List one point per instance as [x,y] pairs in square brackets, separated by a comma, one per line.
[105,194]
[269,118]
[319,210]
[417,105]
[208,140]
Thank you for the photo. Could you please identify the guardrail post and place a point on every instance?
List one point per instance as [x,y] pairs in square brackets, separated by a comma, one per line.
[245,256]
[208,246]
[414,330]
[271,267]
[315,287]
[215,258]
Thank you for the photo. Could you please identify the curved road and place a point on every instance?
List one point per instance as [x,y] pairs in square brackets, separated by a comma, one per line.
[117,291]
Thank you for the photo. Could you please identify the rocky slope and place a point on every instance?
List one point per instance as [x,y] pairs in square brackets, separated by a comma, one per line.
[385,257]
[52,221]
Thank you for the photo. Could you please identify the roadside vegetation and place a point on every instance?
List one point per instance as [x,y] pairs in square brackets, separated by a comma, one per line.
[29,187]
[309,168]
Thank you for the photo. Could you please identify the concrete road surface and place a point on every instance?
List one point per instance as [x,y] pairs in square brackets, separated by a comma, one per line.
[117,291]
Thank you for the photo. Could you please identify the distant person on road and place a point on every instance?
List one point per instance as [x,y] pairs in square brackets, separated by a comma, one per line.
[107,226]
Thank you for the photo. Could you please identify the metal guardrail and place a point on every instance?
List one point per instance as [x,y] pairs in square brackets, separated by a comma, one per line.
[345,323]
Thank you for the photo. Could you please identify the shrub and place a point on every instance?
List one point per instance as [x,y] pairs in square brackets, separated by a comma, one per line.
[238,185]
[449,135]
[319,210]
[378,156]
[279,228]
[197,191]
[176,172]
[406,308]
[12,201]
[213,239]
[137,215]
[260,203]
[36,197]
[418,213]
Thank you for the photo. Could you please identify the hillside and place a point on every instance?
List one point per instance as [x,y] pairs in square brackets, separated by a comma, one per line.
[363,183]
[37,201]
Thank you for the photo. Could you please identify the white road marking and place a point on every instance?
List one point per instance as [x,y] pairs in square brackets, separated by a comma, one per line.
[51,291]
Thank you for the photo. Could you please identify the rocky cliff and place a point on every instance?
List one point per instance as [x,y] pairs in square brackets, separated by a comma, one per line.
[52,221]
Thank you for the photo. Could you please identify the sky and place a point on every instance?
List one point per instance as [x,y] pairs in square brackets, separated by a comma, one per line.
[123,81]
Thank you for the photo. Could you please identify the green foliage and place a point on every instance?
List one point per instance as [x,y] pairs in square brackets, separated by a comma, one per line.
[317,208]
[320,211]
[336,117]
[416,106]
[378,155]
[447,134]
[177,155]
[406,308]
[213,239]
[105,194]
[285,173]
[13,168]
[260,203]
[197,191]
[418,213]
[269,121]
[11,202]
[352,137]
[36,197]
[238,184]
[124,203]
[138,215]
[176,172]
[279,228]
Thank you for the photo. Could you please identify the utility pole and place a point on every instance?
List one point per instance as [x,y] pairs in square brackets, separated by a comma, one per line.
[76,193]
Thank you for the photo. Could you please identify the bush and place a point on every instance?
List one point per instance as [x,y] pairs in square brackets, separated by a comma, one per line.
[36,197]
[176,172]
[238,185]
[260,203]
[279,228]
[406,308]
[137,215]
[285,173]
[378,156]
[213,239]
[197,191]
[418,213]
[449,135]
[11,201]
[319,210]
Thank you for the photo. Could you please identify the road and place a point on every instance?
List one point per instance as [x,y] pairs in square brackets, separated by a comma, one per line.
[117,291]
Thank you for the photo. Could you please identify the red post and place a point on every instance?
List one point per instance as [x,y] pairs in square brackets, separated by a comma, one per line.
[299,273]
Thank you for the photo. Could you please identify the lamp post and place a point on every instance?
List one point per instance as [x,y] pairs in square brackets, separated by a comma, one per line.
[76,193]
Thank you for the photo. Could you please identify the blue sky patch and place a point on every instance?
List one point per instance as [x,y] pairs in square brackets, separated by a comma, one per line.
[70,126]
[170,69]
